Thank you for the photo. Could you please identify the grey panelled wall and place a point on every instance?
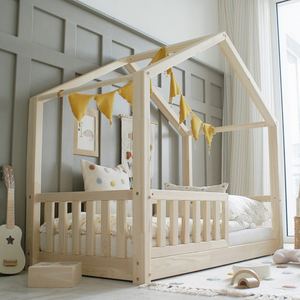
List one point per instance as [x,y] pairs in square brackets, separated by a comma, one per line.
[44,43]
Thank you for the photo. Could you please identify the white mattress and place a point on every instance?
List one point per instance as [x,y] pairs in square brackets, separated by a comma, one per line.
[249,235]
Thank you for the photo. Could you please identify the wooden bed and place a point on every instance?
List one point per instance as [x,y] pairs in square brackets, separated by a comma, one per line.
[148,262]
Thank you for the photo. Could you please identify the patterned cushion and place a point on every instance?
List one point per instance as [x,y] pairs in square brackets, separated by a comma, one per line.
[100,178]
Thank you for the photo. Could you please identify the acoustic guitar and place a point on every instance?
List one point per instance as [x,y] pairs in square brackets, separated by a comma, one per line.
[12,258]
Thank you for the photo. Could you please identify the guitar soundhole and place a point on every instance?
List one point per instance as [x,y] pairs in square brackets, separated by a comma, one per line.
[10,240]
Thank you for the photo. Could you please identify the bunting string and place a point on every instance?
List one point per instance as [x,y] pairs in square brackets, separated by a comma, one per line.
[79,102]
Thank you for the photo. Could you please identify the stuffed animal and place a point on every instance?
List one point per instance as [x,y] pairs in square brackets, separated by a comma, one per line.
[283,256]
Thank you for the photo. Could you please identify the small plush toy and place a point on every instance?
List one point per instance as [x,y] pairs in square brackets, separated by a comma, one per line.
[283,256]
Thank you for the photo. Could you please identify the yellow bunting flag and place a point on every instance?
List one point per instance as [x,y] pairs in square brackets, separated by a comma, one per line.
[126,92]
[195,126]
[162,53]
[209,131]
[184,110]
[105,104]
[174,88]
[79,103]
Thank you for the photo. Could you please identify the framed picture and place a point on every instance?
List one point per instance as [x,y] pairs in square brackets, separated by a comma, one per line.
[86,136]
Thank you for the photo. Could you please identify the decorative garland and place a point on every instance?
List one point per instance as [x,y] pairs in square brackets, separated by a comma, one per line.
[79,102]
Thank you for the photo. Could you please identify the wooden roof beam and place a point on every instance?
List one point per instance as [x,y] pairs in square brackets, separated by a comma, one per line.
[247,80]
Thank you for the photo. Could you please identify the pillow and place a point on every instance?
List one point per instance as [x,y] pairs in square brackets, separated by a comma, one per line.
[100,178]
[248,210]
[220,188]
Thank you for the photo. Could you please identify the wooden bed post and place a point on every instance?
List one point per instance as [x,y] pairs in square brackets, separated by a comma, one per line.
[142,208]
[187,179]
[274,184]
[187,160]
[33,179]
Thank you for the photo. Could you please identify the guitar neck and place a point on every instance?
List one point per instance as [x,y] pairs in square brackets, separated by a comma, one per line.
[10,212]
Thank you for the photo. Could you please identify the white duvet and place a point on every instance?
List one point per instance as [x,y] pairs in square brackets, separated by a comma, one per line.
[234,225]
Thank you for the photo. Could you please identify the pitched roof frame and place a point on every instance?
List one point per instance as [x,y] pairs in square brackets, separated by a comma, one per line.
[180,52]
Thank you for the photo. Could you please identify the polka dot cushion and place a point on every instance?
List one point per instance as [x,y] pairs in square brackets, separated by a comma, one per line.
[100,178]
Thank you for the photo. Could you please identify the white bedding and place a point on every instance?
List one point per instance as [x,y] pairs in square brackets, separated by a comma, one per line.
[251,235]
[234,225]
[240,232]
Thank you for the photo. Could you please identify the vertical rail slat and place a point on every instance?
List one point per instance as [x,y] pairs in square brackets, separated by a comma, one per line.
[76,230]
[206,220]
[173,222]
[105,229]
[49,218]
[225,228]
[216,220]
[121,229]
[185,225]
[161,223]
[196,222]
[63,227]
[90,227]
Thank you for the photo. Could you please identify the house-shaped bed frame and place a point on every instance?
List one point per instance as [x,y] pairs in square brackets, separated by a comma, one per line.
[148,263]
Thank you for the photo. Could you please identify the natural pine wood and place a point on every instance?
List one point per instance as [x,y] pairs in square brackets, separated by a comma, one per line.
[149,263]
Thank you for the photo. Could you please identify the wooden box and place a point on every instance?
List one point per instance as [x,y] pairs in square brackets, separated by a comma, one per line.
[54,274]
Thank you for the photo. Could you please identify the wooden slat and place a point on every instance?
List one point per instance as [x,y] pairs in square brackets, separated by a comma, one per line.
[185,222]
[63,227]
[216,221]
[121,229]
[49,218]
[186,195]
[84,196]
[105,229]
[206,221]
[76,230]
[173,222]
[86,87]
[169,49]
[225,225]
[196,222]
[238,127]
[90,227]
[87,77]
[161,224]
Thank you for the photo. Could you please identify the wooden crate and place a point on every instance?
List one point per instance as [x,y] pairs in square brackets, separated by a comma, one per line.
[54,274]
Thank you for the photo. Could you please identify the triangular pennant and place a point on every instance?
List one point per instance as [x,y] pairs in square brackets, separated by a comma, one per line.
[209,131]
[174,88]
[195,126]
[105,104]
[162,53]
[126,92]
[184,110]
[79,103]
